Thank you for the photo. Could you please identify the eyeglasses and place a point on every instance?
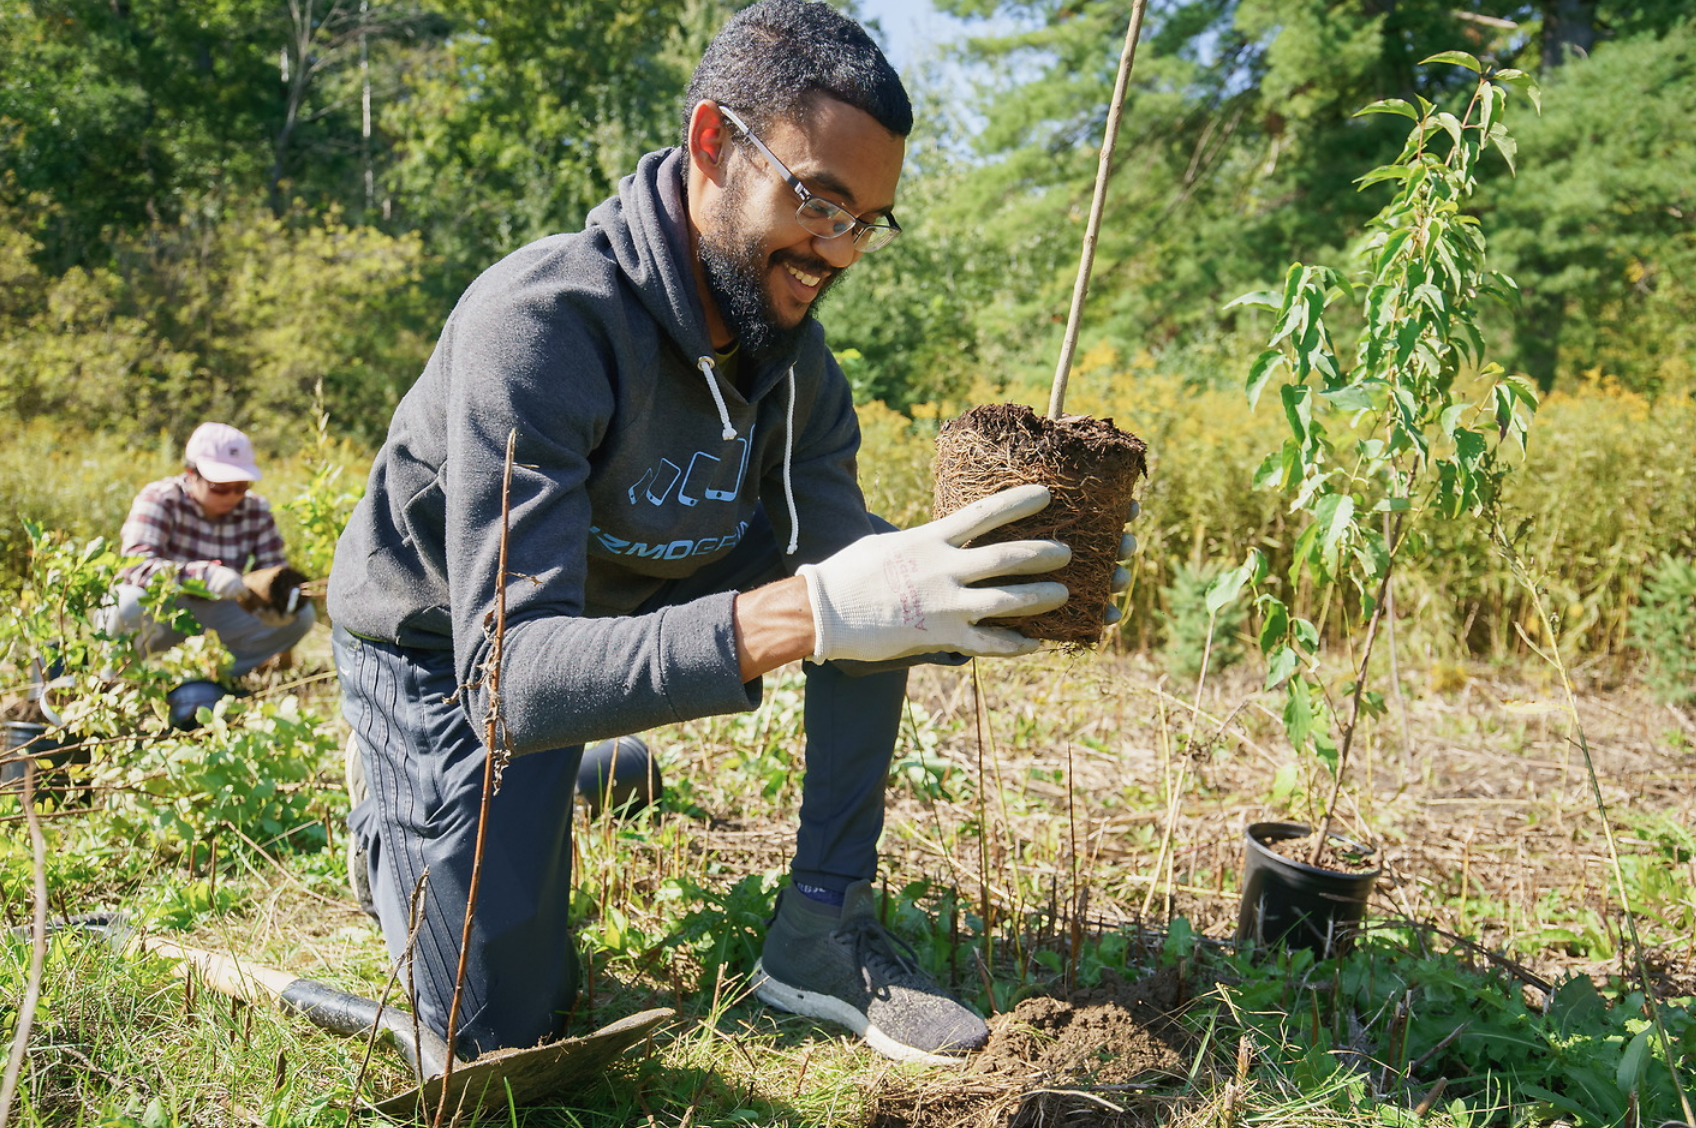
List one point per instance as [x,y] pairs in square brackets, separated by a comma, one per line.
[226,489]
[819,215]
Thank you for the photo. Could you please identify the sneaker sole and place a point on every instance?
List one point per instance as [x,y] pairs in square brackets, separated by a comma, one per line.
[812,1004]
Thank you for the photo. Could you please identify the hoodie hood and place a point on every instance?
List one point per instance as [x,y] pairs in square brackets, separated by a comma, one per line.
[646,230]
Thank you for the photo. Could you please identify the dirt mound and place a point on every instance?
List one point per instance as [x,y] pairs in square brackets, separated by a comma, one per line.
[1090,1059]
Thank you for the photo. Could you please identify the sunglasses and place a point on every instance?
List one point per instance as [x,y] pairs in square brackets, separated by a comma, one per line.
[225,489]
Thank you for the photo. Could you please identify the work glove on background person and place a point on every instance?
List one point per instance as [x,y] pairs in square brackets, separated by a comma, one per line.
[890,595]
[223,583]
[1121,574]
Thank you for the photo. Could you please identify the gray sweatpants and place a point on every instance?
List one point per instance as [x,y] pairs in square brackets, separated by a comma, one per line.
[248,640]
[424,767]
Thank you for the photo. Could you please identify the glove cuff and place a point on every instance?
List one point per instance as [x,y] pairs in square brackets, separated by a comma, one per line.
[820,606]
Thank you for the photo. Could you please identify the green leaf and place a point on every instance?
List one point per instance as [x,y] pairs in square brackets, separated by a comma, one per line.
[1298,409]
[1392,246]
[1389,106]
[1633,1061]
[1524,83]
[1350,397]
[1458,58]
[1274,624]
[1381,174]
[1505,145]
[1335,516]
[1260,372]
[1229,585]
[1280,664]
[1259,299]
[1306,634]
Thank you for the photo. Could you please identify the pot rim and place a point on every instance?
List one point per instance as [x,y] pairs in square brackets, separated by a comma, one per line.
[1284,831]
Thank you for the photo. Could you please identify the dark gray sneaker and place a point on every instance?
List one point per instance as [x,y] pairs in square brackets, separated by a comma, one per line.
[843,966]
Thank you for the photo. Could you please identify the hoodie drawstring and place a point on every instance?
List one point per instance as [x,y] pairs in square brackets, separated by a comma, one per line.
[705,364]
[788,460]
[709,371]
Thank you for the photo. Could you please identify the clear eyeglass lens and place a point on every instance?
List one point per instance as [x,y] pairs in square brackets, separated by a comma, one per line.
[871,238]
[824,218]
[828,221]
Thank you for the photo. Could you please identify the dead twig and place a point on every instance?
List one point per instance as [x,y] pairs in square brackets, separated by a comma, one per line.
[37,953]
[492,740]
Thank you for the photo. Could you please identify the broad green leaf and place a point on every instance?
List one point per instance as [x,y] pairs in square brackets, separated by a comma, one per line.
[1505,145]
[1392,246]
[1298,712]
[1524,83]
[1389,106]
[1458,58]
[1298,409]
[1224,590]
[1335,516]
[1305,634]
[1451,417]
[1260,299]
[1383,173]
[1633,1062]
[1260,372]
[1280,664]
[1274,623]
[1350,397]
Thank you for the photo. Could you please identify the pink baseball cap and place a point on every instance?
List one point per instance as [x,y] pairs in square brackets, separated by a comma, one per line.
[220,453]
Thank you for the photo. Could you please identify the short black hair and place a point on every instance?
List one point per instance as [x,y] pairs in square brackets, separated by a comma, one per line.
[774,57]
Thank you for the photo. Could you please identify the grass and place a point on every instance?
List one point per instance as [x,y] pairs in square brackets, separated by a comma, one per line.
[1066,826]
[1483,827]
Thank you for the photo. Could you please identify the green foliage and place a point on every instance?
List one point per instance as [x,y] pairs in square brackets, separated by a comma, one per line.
[320,511]
[1599,224]
[248,777]
[1393,435]
[237,318]
[1194,628]
[526,116]
[1663,627]
[1584,1054]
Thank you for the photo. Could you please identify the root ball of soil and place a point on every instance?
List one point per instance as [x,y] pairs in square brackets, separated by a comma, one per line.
[1090,468]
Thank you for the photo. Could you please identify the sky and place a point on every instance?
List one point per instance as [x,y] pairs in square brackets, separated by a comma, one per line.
[911,29]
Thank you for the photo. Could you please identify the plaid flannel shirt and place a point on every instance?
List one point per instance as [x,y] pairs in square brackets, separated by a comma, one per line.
[168,530]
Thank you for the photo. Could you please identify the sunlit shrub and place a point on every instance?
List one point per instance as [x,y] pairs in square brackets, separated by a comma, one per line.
[1608,487]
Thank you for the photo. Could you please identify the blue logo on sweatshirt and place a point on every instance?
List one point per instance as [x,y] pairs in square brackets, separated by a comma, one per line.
[696,479]
[668,550]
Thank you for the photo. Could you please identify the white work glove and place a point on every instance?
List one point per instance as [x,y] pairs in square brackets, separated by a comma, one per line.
[890,595]
[223,583]
[1122,574]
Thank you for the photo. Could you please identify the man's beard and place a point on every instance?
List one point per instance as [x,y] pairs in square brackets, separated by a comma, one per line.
[736,269]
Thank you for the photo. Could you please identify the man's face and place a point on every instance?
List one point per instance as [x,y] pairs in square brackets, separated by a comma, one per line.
[766,273]
[216,499]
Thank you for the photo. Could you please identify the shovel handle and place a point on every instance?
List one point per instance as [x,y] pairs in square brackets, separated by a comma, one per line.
[326,1007]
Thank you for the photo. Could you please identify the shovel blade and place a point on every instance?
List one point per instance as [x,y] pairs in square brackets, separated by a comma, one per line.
[522,1076]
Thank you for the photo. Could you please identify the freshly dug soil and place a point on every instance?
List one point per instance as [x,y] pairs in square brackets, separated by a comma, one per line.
[1091,469]
[1082,1059]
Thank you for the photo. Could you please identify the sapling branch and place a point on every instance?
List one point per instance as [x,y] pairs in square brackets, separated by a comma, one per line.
[1092,229]
[492,758]
[37,950]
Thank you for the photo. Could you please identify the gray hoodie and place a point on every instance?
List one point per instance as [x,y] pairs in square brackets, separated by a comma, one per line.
[636,463]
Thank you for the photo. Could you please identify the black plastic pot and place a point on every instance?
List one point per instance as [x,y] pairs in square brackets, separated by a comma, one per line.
[187,699]
[29,737]
[1294,904]
[619,776]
